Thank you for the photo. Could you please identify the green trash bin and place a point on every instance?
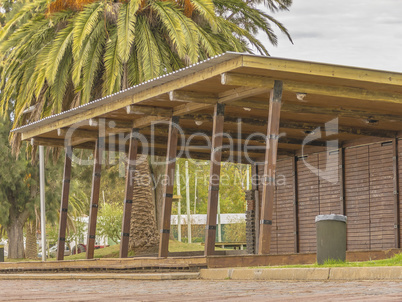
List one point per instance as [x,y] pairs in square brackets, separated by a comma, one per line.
[331,237]
[1,253]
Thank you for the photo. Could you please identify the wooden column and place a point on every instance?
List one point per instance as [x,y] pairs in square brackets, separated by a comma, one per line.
[295,205]
[255,184]
[268,180]
[128,199]
[214,179]
[396,194]
[65,193]
[168,187]
[93,211]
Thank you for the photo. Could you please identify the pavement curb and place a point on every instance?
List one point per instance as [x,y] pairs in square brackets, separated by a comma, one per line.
[305,274]
[103,276]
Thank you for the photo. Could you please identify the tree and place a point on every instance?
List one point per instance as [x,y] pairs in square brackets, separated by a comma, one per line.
[109,221]
[16,193]
[70,52]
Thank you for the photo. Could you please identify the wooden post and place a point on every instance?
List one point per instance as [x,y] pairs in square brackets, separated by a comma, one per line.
[342,181]
[168,187]
[128,200]
[65,193]
[295,205]
[254,186]
[188,209]
[214,179]
[396,194]
[93,210]
[268,181]
[178,189]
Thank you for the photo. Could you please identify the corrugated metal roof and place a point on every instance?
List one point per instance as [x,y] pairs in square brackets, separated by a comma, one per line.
[134,89]
[157,82]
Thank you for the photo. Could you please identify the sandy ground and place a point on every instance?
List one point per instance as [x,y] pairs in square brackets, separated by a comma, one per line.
[197,290]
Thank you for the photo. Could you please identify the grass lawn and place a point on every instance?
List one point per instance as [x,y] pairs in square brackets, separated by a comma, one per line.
[113,251]
[394,261]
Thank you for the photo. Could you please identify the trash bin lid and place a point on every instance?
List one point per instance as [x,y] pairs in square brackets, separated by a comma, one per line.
[336,217]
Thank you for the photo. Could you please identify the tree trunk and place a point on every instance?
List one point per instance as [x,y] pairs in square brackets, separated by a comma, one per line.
[144,235]
[31,251]
[158,171]
[15,238]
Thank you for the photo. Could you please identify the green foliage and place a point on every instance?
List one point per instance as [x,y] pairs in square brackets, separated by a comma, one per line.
[232,186]
[16,182]
[235,231]
[110,221]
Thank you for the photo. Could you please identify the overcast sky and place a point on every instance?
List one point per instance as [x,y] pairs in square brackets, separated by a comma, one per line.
[363,33]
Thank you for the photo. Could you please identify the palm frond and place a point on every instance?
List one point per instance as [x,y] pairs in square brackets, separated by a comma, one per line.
[206,9]
[147,49]
[113,65]
[62,43]
[126,28]
[84,24]
[169,16]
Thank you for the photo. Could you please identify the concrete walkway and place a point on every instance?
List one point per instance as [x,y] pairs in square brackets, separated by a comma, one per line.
[305,274]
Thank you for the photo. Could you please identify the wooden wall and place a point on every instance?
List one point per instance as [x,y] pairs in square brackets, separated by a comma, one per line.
[368,173]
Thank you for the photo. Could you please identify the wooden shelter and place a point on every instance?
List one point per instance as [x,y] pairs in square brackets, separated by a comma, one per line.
[296,115]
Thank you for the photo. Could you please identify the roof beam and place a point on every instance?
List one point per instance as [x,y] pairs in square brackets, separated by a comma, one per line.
[193,97]
[235,79]
[148,110]
[198,102]
[111,125]
[78,136]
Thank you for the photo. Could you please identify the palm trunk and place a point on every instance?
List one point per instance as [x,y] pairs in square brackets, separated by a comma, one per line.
[144,236]
[31,251]
[158,171]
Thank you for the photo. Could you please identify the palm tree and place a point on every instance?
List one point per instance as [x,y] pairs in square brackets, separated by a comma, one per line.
[59,55]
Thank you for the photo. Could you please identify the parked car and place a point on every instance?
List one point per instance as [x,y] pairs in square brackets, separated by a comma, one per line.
[81,248]
[53,251]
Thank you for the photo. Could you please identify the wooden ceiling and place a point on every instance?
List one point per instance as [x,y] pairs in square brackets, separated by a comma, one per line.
[365,103]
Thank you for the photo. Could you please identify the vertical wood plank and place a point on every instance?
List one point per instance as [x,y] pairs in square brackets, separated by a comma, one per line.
[168,187]
[93,211]
[128,199]
[295,206]
[214,178]
[396,193]
[255,184]
[65,193]
[268,193]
